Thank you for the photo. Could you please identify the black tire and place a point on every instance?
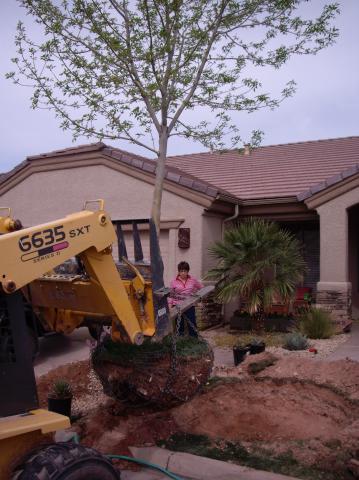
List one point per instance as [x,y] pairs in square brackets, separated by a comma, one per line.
[66,461]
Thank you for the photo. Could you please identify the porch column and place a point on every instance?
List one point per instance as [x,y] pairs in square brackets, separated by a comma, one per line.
[334,288]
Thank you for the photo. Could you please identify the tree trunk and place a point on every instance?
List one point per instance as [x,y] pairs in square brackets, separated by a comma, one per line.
[160,175]
[259,320]
[259,315]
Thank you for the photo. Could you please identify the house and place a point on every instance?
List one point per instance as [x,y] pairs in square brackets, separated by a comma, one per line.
[311,188]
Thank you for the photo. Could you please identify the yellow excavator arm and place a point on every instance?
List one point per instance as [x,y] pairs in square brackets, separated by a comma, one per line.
[7,223]
[27,255]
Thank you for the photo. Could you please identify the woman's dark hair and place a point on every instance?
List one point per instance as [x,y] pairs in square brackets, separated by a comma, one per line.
[183,266]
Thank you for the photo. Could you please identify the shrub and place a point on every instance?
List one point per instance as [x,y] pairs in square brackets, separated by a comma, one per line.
[256,367]
[316,323]
[296,341]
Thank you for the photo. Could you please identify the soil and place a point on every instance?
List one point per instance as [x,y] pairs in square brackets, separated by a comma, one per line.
[305,406]
[160,383]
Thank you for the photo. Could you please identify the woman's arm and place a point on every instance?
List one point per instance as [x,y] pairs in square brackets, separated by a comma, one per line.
[197,285]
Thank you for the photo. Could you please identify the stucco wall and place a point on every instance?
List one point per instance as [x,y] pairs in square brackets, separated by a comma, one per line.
[212,232]
[46,196]
[334,237]
[336,253]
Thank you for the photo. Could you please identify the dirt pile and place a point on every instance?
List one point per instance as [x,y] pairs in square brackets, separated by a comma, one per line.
[341,374]
[308,408]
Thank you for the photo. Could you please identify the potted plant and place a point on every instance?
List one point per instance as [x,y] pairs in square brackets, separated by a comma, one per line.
[60,397]
[239,352]
[256,346]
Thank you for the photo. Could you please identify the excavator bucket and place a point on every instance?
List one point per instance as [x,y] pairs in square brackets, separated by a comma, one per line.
[131,253]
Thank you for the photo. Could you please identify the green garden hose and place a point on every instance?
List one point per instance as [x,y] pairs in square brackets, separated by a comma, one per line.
[145,464]
[76,439]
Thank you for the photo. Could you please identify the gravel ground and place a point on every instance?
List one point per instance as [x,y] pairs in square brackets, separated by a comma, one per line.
[95,398]
[323,347]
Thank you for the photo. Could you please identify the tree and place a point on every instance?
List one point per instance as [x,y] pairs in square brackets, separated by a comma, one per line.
[258,262]
[129,70]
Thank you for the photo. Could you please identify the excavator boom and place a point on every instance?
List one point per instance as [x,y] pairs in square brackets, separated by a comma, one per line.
[28,257]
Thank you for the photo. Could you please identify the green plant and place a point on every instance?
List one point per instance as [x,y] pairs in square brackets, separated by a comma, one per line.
[132,70]
[61,389]
[258,458]
[295,341]
[258,262]
[256,367]
[316,323]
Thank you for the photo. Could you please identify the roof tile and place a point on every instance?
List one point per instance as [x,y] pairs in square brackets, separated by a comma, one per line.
[274,171]
[277,171]
[304,195]
[149,167]
[318,187]
[350,171]
[187,182]
[137,163]
[334,179]
[212,192]
[174,177]
[201,187]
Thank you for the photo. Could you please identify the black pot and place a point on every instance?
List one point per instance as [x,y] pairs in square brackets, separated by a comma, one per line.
[239,353]
[257,348]
[60,405]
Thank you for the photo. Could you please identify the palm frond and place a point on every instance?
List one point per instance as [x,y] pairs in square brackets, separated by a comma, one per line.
[257,261]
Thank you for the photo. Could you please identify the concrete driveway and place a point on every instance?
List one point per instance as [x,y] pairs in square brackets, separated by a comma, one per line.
[57,349]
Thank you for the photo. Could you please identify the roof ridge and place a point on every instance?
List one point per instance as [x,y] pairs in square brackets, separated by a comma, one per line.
[309,141]
[68,150]
[172,173]
[148,165]
[230,150]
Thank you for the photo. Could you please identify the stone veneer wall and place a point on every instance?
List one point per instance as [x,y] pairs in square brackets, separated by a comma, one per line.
[338,302]
[208,313]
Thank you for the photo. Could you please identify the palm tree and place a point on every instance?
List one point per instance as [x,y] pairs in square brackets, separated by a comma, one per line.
[258,262]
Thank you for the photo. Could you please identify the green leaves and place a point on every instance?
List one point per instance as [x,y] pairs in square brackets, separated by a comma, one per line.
[109,67]
[257,261]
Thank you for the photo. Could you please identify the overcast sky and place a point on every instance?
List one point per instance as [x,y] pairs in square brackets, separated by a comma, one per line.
[326,104]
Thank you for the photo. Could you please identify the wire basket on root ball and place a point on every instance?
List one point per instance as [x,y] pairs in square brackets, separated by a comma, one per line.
[162,374]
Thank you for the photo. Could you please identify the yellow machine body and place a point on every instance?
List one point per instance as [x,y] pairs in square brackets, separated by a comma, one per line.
[63,302]
[7,223]
[28,261]
[21,433]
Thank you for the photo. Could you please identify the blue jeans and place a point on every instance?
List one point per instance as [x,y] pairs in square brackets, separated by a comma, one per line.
[190,317]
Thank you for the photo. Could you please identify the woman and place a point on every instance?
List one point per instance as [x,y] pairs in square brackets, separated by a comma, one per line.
[183,286]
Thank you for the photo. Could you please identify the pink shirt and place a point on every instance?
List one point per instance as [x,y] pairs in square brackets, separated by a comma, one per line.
[180,289]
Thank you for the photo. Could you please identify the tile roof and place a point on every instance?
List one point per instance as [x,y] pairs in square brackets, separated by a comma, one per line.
[172,174]
[329,182]
[274,171]
[142,163]
[295,170]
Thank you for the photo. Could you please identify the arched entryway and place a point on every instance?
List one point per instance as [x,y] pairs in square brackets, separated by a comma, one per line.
[353,256]
[338,209]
